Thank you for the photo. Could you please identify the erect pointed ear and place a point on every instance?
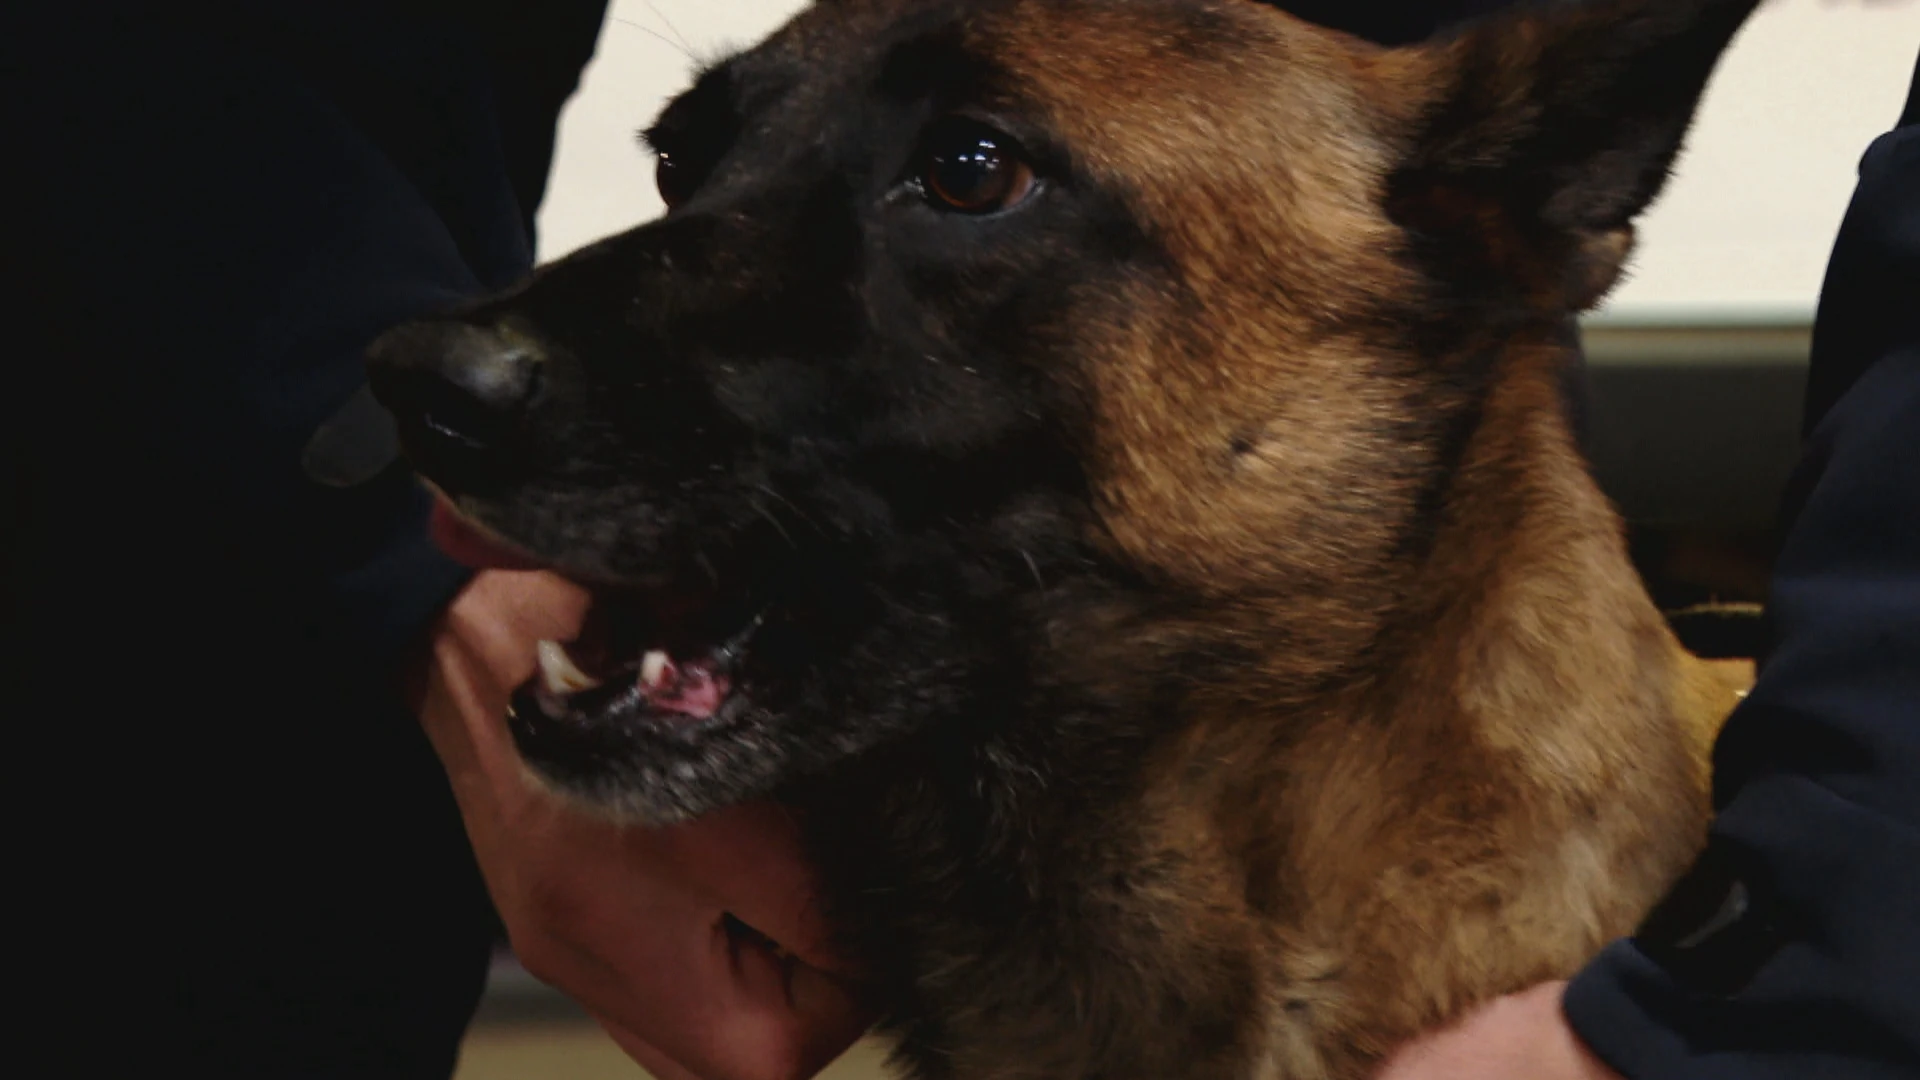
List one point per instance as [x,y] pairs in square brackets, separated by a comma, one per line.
[1548,128]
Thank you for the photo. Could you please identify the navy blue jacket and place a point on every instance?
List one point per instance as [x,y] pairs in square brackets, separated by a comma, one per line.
[215,560]
[1793,949]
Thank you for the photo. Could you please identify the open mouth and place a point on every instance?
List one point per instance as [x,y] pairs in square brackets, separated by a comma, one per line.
[625,665]
[660,658]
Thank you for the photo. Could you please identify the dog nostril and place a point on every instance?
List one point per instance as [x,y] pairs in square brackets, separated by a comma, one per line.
[460,392]
[481,394]
[452,414]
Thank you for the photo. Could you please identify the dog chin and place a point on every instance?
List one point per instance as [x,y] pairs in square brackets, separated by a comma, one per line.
[639,771]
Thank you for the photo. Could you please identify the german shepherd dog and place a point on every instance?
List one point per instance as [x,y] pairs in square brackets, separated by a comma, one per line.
[1105,464]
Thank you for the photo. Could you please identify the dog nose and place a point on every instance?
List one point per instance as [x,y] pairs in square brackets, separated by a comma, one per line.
[459,392]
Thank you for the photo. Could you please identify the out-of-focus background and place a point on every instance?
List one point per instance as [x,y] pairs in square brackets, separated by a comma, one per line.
[1742,233]
[1695,364]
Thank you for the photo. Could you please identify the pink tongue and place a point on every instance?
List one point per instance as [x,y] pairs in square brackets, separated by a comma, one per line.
[690,689]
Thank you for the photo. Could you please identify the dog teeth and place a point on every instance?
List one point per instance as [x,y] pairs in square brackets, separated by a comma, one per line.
[654,667]
[559,673]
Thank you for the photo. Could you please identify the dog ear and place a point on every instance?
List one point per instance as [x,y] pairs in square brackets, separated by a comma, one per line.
[1549,127]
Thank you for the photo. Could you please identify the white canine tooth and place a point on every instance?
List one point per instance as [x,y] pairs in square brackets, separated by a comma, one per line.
[653,669]
[559,672]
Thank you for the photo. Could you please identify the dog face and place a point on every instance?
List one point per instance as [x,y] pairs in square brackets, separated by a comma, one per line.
[1023,363]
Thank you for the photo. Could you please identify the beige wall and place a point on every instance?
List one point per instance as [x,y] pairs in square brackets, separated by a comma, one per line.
[1742,232]
[602,178]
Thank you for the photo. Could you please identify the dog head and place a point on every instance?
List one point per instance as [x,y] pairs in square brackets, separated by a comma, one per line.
[1014,365]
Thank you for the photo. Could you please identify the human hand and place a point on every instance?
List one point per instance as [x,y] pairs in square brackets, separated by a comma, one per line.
[631,922]
[1522,1036]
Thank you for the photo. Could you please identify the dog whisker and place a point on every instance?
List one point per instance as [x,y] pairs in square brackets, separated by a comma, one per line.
[1033,567]
[788,503]
[760,509]
[664,39]
[671,29]
[677,42]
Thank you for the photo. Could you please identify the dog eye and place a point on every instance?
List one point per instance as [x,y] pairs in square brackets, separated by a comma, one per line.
[675,180]
[975,170]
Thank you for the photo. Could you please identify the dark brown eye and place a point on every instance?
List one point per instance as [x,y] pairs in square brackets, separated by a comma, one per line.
[975,170]
[674,180]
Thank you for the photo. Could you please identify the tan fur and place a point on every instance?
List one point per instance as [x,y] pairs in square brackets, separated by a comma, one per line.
[1543,716]
[1520,819]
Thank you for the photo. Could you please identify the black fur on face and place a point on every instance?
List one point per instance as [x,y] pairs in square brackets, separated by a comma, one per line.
[815,400]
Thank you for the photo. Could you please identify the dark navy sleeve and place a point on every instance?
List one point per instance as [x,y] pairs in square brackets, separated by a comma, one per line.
[214,555]
[1793,948]
[224,204]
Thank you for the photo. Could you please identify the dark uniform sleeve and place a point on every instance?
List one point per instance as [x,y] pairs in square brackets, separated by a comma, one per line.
[215,238]
[214,205]
[1793,947]
[226,202]
[215,556]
